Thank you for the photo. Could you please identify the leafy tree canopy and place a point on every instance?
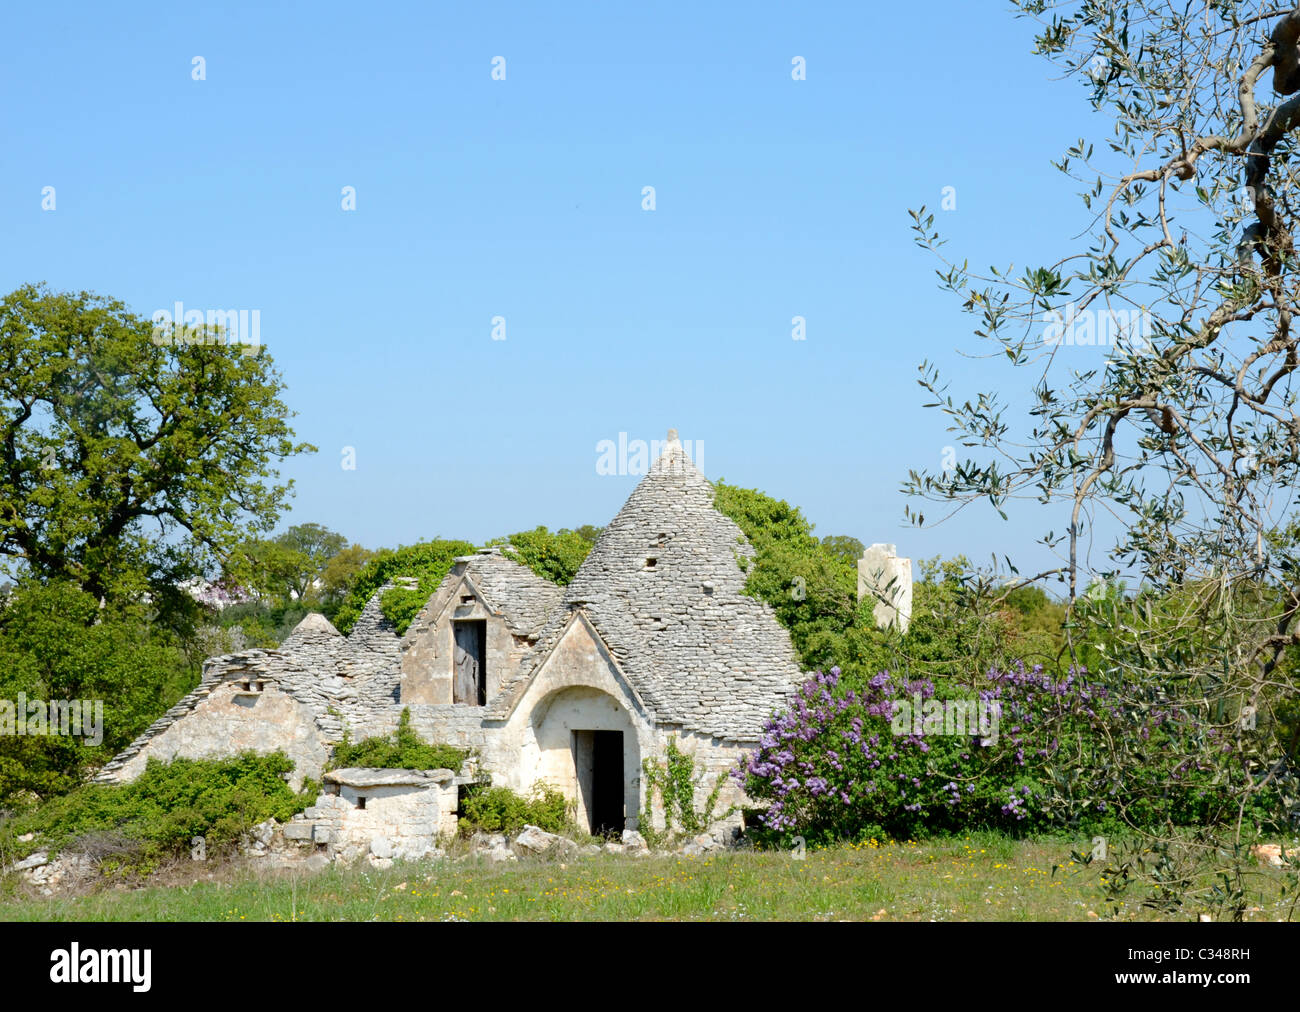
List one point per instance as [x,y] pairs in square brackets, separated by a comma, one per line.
[341,573]
[1154,359]
[290,564]
[57,643]
[126,464]
[844,546]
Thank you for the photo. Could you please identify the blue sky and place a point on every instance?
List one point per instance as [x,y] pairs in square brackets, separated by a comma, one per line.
[522,198]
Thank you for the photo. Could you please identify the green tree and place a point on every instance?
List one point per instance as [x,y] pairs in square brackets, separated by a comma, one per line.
[848,548]
[812,589]
[57,643]
[289,565]
[128,463]
[339,575]
[1157,353]
[312,546]
[962,622]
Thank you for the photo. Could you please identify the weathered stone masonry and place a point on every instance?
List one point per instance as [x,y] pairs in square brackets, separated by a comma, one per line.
[572,686]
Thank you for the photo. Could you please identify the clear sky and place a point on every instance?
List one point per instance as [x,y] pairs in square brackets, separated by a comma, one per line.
[523,198]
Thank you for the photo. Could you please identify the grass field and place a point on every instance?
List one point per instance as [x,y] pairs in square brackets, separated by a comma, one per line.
[972,879]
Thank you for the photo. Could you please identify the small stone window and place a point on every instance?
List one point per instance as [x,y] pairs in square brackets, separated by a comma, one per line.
[361,802]
[467,599]
[651,562]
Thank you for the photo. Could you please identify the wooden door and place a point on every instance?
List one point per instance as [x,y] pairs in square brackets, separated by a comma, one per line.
[469,684]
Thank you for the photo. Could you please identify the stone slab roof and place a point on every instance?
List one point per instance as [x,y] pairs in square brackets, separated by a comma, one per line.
[523,599]
[360,777]
[663,588]
[373,659]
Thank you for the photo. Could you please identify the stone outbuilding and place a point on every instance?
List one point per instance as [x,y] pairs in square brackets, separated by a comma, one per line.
[572,687]
[380,813]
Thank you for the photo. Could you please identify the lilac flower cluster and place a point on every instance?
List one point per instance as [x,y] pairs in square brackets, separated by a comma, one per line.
[831,765]
[832,757]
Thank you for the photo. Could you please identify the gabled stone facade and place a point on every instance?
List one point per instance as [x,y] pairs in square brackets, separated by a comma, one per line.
[572,687]
[510,600]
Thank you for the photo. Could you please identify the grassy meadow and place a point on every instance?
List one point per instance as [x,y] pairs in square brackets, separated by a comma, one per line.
[974,878]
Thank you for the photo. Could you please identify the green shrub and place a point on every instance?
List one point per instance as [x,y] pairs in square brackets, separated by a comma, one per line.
[158,814]
[428,562]
[850,764]
[404,749]
[501,810]
[58,643]
[552,556]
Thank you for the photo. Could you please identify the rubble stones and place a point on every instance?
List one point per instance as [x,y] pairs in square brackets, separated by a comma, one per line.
[634,843]
[41,857]
[535,842]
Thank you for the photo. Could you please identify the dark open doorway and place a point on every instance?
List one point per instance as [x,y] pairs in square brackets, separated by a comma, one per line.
[469,683]
[598,756]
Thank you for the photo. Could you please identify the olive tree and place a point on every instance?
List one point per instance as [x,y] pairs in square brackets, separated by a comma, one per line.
[1157,355]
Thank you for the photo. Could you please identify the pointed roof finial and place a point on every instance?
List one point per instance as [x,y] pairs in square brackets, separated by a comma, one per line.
[314,622]
[672,435]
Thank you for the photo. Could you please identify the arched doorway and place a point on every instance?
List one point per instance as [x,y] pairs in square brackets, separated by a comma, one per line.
[588,748]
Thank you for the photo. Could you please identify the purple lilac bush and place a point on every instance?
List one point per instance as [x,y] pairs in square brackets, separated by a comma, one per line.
[847,763]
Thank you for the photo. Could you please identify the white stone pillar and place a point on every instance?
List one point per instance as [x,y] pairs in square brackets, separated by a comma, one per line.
[887,579]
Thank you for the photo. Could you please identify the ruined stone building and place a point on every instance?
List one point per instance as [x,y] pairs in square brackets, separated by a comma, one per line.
[572,686]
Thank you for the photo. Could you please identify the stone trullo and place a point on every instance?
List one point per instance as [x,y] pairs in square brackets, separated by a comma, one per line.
[572,686]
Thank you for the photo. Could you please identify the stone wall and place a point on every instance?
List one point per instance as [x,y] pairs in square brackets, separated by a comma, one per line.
[383,814]
[231,720]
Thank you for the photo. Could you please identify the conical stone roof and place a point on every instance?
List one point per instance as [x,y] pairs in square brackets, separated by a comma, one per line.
[315,642]
[663,588]
[314,624]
